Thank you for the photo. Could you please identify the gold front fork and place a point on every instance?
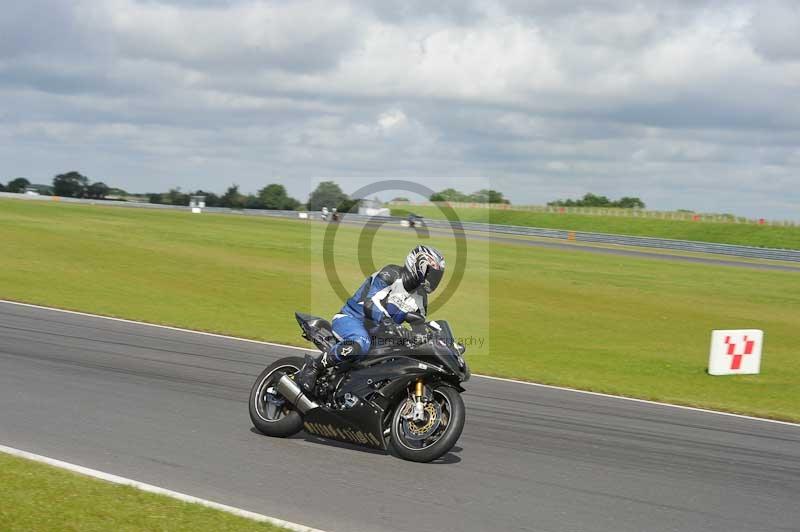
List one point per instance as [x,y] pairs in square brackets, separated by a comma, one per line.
[419,392]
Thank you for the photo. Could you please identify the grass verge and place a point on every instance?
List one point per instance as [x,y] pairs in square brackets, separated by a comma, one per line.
[618,325]
[45,498]
[723,233]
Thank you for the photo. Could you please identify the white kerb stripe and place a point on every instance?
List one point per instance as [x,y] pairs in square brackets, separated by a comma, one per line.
[155,489]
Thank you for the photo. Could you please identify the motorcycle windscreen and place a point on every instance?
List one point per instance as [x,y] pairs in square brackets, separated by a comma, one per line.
[445,347]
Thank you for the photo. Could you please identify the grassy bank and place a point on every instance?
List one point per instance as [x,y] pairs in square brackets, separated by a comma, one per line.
[43,498]
[619,325]
[724,233]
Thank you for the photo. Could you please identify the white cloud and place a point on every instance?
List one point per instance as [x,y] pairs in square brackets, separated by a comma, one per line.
[776,30]
[393,119]
[252,34]
[666,100]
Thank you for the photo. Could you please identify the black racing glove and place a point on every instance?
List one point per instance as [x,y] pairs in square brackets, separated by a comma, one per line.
[403,334]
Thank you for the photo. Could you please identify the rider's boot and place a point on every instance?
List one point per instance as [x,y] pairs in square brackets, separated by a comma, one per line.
[306,378]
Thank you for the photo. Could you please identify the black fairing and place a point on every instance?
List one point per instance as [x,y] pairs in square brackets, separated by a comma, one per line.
[378,382]
[381,379]
[360,425]
[442,350]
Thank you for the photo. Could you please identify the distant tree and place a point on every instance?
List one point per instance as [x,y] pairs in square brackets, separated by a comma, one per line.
[561,203]
[154,197]
[450,194]
[349,205]
[327,194]
[487,196]
[98,190]
[274,197]
[496,197]
[2,187]
[252,201]
[232,198]
[401,199]
[70,185]
[593,200]
[176,197]
[481,196]
[212,200]
[18,185]
[630,203]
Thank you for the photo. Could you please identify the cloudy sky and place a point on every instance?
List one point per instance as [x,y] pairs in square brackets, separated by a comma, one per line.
[687,104]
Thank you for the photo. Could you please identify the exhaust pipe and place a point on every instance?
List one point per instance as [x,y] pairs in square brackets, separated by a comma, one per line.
[292,393]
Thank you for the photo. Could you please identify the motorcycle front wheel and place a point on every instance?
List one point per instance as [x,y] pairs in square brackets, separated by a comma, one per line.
[433,437]
[271,414]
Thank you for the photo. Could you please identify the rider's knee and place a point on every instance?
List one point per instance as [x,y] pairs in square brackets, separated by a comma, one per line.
[351,350]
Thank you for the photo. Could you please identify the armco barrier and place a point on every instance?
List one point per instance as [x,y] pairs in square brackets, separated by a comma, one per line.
[560,234]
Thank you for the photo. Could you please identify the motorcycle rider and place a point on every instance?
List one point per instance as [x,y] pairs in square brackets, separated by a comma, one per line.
[384,300]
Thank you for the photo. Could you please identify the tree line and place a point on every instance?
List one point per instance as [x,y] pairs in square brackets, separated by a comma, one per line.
[481,196]
[70,185]
[275,197]
[493,196]
[593,200]
[271,197]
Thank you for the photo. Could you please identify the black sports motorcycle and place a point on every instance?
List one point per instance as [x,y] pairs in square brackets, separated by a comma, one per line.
[407,392]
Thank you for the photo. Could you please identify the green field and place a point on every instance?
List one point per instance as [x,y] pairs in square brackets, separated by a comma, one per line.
[619,325]
[724,233]
[41,498]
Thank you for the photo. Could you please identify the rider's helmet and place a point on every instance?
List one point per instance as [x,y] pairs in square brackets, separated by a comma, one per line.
[426,266]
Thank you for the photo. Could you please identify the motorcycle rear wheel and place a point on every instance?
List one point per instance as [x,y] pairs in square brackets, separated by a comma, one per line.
[453,415]
[267,414]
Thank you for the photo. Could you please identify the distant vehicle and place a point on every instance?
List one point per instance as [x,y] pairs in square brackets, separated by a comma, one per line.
[373,208]
[415,220]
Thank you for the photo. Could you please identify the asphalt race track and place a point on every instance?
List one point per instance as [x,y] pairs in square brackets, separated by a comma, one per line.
[170,408]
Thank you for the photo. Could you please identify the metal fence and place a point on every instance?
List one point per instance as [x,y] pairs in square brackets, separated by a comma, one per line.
[607,211]
[560,234]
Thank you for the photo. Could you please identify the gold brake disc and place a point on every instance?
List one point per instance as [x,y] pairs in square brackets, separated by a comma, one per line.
[431,423]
